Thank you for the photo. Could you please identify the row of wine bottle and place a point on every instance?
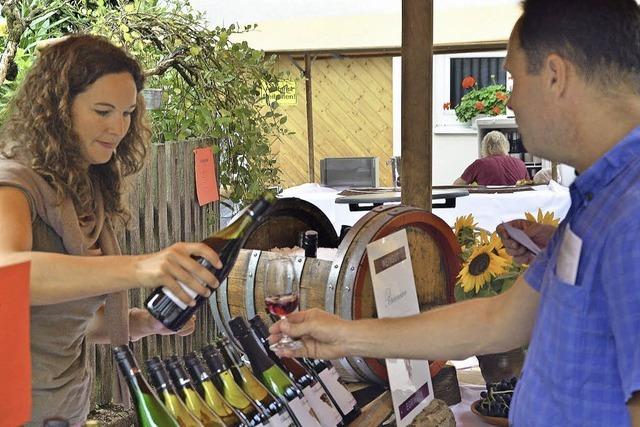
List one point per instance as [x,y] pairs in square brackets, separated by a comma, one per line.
[268,391]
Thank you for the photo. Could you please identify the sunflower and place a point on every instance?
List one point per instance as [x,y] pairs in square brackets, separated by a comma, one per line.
[498,247]
[465,230]
[483,264]
[546,218]
[464,222]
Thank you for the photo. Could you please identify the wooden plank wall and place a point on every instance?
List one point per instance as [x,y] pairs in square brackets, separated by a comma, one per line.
[352,113]
[164,210]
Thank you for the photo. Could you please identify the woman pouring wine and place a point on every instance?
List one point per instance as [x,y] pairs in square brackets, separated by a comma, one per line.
[74,131]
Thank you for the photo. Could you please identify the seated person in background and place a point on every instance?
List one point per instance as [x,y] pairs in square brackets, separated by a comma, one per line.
[495,167]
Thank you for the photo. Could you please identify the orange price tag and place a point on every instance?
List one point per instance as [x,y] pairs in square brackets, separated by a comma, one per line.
[15,359]
[206,184]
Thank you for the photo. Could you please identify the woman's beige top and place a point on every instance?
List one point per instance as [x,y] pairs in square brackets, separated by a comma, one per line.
[60,365]
[61,374]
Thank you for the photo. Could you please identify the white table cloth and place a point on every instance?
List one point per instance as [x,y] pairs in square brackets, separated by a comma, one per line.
[488,209]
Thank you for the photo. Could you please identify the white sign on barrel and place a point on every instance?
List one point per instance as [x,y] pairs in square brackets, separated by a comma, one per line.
[395,294]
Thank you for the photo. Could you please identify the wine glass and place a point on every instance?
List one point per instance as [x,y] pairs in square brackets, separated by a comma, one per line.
[281,296]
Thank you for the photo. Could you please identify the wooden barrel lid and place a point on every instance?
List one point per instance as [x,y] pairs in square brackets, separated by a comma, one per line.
[288,217]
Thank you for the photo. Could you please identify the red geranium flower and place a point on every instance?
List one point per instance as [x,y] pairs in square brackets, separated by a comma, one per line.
[479,105]
[468,82]
[447,106]
[496,110]
[501,96]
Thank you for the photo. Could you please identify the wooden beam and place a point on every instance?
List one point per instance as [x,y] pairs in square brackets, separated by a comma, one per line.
[416,120]
[443,48]
[309,95]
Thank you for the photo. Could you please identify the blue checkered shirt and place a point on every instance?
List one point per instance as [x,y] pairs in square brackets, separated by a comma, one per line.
[583,362]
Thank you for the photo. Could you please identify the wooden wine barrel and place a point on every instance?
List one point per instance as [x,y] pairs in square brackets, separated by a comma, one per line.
[343,286]
[286,219]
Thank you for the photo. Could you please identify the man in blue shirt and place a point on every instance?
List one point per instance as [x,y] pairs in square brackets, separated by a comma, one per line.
[576,95]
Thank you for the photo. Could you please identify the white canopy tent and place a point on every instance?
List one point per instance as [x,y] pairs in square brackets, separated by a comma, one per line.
[366,25]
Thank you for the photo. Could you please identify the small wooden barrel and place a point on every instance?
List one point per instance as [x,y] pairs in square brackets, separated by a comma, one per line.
[287,218]
[343,286]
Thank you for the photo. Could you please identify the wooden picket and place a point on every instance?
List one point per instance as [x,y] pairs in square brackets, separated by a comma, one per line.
[164,210]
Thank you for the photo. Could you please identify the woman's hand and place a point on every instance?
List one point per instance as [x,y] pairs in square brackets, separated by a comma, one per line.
[176,264]
[143,324]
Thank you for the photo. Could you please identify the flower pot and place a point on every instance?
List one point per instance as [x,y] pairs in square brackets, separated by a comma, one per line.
[474,125]
[499,366]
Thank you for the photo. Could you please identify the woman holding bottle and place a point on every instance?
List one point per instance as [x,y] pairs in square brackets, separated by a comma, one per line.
[74,131]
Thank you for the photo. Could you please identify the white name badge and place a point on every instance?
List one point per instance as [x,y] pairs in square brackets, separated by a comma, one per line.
[395,293]
[569,256]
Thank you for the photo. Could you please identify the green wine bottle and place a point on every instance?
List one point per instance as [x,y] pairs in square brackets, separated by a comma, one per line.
[226,384]
[212,396]
[150,411]
[272,376]
[279,414]
[227,242]
[159,379]
[190,396]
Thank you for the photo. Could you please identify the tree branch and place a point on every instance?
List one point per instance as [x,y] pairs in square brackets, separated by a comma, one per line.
[165,63]
[15,28]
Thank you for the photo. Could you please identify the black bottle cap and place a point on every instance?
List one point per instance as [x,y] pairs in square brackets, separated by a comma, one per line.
[261,205]
[154,363]
[125,360]
[214,359]
[222,341]
[259,327]
[158,376]
[177,373]
[122,352]
[239,327]
[175,368]
[195,368]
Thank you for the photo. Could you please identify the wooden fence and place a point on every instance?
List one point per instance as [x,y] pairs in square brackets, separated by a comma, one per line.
[164,210]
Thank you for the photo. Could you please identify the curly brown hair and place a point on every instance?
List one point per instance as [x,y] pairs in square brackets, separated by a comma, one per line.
[39,122]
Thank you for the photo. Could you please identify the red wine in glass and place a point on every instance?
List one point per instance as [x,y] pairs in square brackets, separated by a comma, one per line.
[281,305]
[281,291]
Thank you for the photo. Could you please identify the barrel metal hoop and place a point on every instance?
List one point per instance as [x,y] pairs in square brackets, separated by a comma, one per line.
[361,366]
[357,260]
[250,281]
[346,371]
[298,266]
[213,305]
[223,291]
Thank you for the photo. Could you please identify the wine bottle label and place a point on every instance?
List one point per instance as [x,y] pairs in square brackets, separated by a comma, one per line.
[303,412]
[342,396]
[327,414]
[193,294]
[281,419]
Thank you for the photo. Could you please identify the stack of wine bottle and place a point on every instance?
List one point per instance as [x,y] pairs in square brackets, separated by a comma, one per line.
[229,385]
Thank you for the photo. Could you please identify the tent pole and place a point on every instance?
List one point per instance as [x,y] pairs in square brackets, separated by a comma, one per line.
[309,95]
[417,90]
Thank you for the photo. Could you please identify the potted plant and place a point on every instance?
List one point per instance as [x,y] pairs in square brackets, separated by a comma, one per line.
[487,270]
[490,100]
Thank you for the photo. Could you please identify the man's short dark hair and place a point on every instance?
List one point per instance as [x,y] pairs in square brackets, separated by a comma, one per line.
[600,37]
